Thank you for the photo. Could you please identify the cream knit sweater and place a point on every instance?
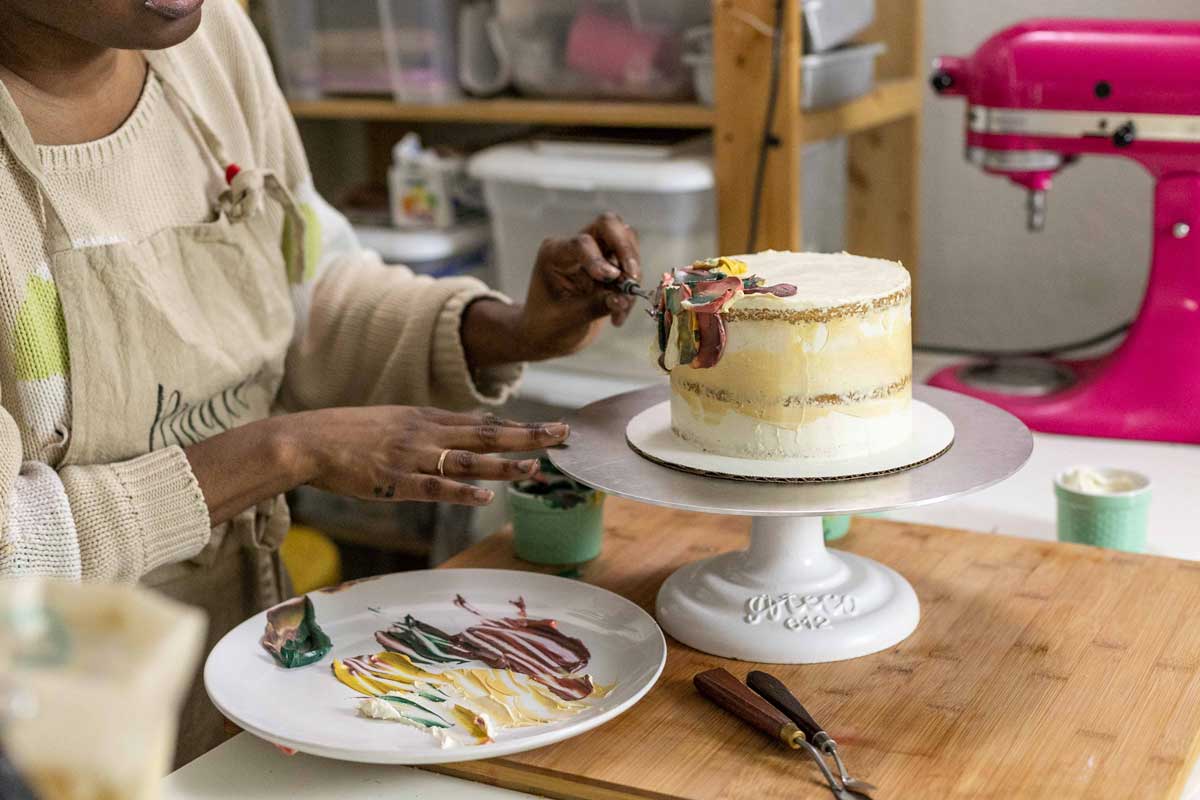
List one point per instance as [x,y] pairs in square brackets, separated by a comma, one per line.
[366,333]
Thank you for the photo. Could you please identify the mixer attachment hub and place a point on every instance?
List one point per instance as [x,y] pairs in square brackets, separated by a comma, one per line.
[1036,207]
[1027,377]
[1124,135]
[941,81]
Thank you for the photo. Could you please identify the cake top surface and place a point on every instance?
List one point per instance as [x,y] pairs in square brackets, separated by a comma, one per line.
[822,280]
[692,304]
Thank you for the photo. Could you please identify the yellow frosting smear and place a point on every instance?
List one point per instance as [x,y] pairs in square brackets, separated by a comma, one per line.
[766,363]
[730,266]
[480,700]
[475,724]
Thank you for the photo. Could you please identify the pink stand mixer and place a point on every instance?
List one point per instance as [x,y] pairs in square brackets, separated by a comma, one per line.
[1040,95]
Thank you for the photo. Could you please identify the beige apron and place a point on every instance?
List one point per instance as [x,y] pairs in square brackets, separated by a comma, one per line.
[174,339]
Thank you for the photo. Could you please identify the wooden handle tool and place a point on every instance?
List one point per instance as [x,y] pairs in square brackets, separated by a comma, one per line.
[719,686]
[781,698]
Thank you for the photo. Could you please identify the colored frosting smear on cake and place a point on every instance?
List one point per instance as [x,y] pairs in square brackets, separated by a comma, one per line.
[509,672]
[688,305]
[811,359]
[293,636]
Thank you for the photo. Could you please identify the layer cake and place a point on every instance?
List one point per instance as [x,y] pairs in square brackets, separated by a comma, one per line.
[788,355]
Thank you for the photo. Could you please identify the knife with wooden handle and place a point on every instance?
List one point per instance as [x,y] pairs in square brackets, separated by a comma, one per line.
[719,686]
[782,699]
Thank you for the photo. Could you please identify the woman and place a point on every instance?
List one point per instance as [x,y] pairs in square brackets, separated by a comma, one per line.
[187,330]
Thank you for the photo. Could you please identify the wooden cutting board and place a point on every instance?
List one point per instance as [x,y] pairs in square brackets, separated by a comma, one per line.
[1039,669]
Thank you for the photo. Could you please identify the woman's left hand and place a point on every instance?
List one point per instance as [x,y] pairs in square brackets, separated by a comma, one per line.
[571,293]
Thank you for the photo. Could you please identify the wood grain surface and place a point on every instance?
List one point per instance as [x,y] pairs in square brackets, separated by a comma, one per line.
[1038,670]
[725,689]
[883,217]
[743,64]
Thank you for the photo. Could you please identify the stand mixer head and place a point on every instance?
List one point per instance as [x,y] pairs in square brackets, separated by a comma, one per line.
[1046,92]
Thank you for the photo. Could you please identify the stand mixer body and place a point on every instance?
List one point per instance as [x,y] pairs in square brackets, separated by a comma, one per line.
[1042,94]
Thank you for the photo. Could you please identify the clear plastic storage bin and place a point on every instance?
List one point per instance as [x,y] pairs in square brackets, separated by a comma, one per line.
[628,49]
[825,184]
[533,193]
[440,253]
[405,48]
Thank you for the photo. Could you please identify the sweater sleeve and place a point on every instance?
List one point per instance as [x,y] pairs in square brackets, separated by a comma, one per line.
[367,333]
[372,333]
[110,522]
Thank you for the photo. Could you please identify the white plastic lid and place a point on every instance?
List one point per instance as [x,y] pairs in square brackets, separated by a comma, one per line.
[425,244]
[590,171]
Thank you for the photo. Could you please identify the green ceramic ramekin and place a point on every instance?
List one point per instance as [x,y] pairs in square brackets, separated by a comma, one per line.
[546,533]
[835,527]
[1100,517]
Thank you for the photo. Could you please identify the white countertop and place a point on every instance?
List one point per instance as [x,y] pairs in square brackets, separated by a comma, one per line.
[247,768]
[1023,505]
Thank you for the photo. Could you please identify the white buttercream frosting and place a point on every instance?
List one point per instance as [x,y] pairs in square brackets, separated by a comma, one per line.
[822,280]
[832,435]
[834,385]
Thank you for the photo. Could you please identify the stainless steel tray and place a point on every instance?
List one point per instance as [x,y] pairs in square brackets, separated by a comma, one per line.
[839,75]
[830,78]
[829,23]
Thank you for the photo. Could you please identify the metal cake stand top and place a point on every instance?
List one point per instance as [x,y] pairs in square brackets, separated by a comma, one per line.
[989,445]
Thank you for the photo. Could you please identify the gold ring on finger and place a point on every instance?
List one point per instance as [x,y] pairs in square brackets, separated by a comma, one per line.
[442,462]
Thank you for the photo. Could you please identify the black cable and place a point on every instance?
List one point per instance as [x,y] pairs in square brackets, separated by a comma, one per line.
[768,137]
[1043,353]
[760,175]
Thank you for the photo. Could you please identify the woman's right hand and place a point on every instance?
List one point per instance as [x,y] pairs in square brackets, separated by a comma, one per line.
[392,453]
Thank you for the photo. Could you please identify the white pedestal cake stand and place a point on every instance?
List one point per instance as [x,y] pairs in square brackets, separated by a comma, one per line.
[788,599]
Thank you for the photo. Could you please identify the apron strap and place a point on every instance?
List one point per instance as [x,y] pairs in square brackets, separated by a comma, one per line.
[15,134]
[244,193]
[246,187]
[177,94]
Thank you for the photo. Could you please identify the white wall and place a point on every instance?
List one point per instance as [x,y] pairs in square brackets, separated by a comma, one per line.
[986,282]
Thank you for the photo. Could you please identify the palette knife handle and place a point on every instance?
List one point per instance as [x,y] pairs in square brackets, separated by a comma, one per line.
[719,686]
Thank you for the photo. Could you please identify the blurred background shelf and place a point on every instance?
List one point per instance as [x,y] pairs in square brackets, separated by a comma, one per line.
[890,100]
[513,111]
[883,127]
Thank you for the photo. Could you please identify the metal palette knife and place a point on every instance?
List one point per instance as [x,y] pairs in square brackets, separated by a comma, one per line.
[722,688]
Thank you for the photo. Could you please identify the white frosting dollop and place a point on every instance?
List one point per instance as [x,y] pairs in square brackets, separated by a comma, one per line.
[1089,480]
[377,708]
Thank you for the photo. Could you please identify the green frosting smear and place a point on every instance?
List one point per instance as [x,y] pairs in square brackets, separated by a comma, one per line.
[293,635]
[414,711]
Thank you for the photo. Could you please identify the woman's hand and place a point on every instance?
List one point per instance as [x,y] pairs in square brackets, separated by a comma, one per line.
[396,452]
[570,295]
[387,453]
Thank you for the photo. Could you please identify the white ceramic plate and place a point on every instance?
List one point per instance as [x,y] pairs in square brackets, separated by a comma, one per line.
[307,709]
[649,433]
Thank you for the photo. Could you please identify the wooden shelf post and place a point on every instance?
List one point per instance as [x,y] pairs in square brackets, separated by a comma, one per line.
[742,54]
[884,205]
